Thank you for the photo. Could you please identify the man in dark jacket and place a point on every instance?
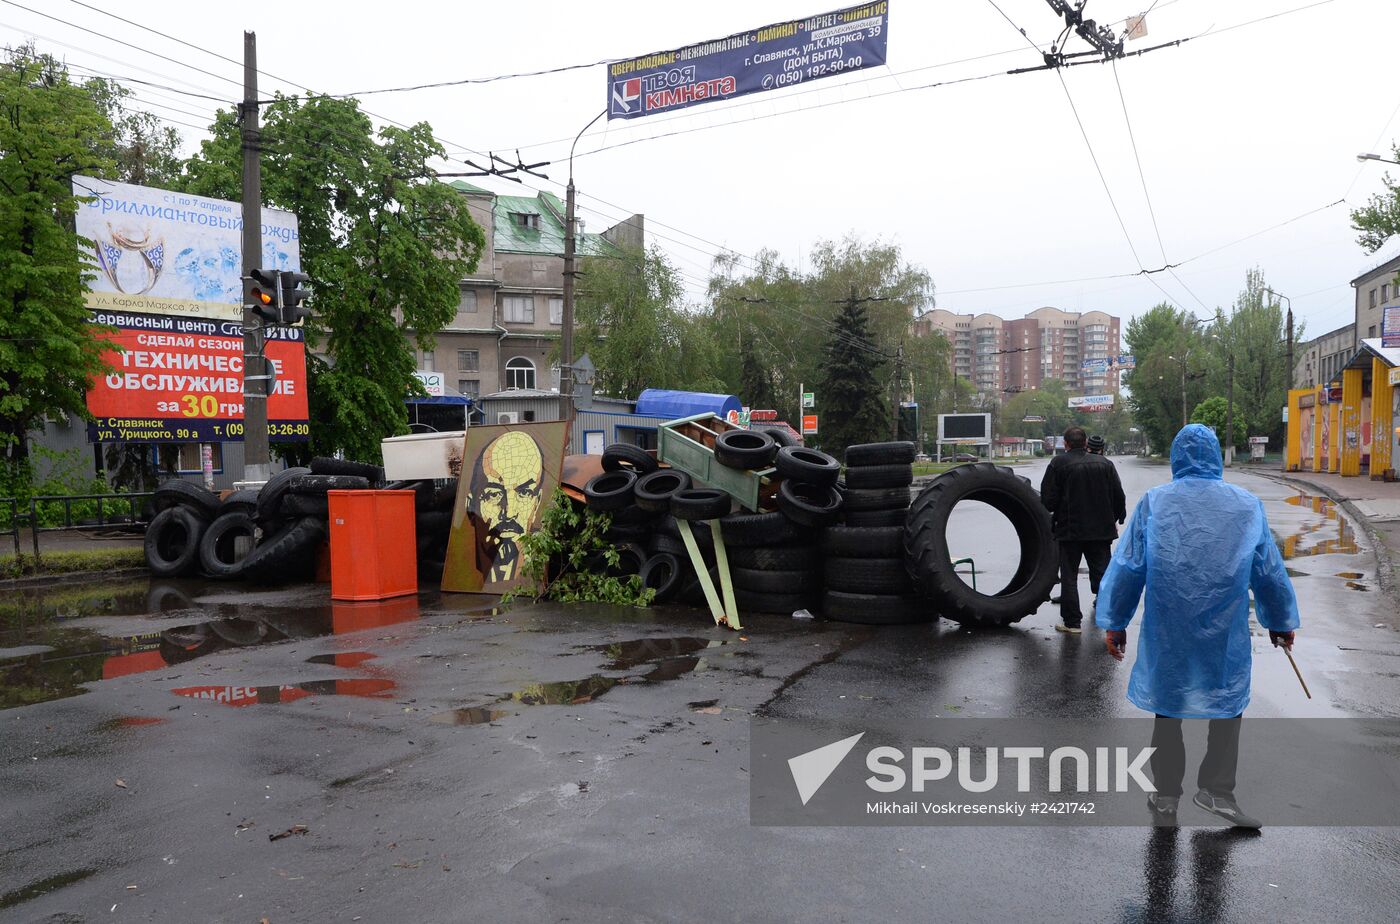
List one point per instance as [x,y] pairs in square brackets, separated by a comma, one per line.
[1085,498]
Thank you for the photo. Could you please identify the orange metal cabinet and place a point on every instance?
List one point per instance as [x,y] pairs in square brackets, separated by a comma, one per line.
[374,554]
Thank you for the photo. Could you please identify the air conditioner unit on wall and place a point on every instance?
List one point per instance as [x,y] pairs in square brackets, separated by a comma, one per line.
[508,417]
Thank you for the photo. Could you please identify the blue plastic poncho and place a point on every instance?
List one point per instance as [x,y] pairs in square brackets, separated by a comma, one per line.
[1198,546]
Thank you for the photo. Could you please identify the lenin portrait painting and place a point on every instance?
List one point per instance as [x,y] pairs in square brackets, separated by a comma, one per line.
[509,474]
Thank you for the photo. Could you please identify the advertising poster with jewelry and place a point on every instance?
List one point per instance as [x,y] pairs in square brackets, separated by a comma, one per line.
[509,474]
[168,276]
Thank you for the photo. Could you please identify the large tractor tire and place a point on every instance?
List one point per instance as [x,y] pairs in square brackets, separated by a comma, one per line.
[930,565]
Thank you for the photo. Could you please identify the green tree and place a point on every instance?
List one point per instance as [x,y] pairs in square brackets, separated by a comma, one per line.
[1379,219]
[1213,412]
[853,402]
[1254,334]
[49,353]
[384,242]
[1167,345]
[632,321]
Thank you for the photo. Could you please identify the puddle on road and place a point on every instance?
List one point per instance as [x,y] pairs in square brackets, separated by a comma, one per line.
[1351,575]
[673,658]
[472,715]
[342,658]
[1344,543]
[1352,585]
[285,693]
[47,652]
[43,886]
[1295,573]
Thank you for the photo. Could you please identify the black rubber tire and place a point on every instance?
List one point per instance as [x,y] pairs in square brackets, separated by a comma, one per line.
[663,573]
[755,601]
[868,576]
[318,485]
[863,542]
[927,553]
[809,465]
[777,558]
[305,505]
[879,476]
[325,465]
[433,523]
[423,492]
[610,491]
[289,554]
[654,490]
[616,534]
[700,504]
[634,516]
[172,541]
[745,449]
[809,505]
[869,518]
[216,546]
[271,494]
[691,591]
[179,493]
[860,499]
[443,496]
[875,609]
[670,527]
[630,558]
[781,435]
[775,582]
[755,530]
[901,453]
[244,500]
[660,542]
[626,457]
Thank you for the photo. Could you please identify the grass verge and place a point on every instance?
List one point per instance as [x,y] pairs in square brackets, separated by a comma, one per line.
[71,561]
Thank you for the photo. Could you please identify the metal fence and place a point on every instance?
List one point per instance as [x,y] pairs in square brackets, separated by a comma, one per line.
[109,514]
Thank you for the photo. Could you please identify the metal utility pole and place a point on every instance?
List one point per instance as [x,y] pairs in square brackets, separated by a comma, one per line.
[566,333]
[256,457]
[1290,333]
[1230,408]
[894,391]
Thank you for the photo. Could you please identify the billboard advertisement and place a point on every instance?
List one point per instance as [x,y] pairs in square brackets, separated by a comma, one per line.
[1123,362]
[972,428]
[1091,402]
[1390,327]
[181,380]
[779,55]
[169,279]
[172,253]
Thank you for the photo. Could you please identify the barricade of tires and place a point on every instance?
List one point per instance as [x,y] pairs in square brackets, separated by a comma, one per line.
[273,535]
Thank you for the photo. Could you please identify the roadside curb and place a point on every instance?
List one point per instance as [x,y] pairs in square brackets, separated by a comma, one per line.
[1387,559]
[71,577]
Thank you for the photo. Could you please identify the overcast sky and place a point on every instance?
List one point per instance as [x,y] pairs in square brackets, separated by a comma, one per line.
[987,184]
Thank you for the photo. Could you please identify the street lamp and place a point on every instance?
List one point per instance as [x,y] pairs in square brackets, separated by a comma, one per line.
[1229,400]
[1385,160]
[1290,310]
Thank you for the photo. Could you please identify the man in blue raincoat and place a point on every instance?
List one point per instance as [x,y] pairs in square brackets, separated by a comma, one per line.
[1197,546]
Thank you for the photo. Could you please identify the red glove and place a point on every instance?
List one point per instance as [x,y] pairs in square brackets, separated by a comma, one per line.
[1281,638]
[1116,641]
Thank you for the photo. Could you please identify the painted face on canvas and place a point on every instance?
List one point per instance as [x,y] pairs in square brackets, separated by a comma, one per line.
[506,485]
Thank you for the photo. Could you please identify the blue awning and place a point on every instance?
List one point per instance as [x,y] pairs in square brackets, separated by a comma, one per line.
[669,405]
[440,399]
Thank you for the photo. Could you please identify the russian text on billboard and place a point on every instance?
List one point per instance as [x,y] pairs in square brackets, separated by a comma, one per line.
[181,379]
[779,55]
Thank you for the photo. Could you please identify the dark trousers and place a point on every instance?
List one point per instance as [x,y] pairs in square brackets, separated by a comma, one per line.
[1097,554]
[1217,773]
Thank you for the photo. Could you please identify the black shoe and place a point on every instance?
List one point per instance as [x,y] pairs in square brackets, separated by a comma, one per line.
[1073,628]
[1163,809]
[1054,598]
[1227,808]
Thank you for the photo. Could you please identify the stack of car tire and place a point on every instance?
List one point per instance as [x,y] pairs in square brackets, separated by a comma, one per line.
[866,578]
[272,535]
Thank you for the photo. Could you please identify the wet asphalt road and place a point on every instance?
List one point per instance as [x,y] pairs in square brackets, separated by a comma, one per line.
[453,763]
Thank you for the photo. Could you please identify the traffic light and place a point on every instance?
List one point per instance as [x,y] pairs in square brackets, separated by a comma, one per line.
[261,290]
[292,297]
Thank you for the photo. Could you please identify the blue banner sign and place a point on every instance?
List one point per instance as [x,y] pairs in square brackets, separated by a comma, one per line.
[781,55]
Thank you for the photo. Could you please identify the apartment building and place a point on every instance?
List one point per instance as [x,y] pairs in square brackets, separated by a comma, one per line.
[1376,289]
[1320,360]
[1002,356]
[511,310]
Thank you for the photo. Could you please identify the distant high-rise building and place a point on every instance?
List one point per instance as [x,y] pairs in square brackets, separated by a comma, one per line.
[1001,356]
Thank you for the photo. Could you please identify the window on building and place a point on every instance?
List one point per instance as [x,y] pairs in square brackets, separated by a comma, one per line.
[520,373]
[426,361]
[468,360]
[526,220]
[1373,298]
[519,309]
[466,309]
[469,387]
[1371,331]
[1385,292]
[556,311]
